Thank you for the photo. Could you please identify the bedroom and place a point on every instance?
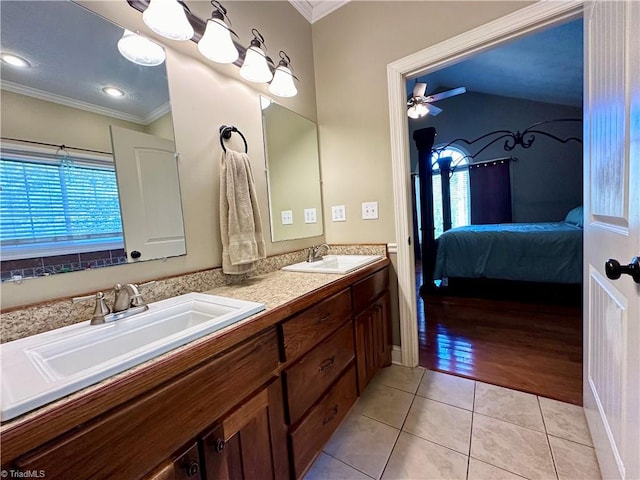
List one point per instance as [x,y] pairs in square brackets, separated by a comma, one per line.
[543,183]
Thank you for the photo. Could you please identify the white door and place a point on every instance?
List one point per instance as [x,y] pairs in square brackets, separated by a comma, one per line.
[149,190]
[612,230]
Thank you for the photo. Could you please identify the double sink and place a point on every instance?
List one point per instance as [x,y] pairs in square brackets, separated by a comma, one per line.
[45,367]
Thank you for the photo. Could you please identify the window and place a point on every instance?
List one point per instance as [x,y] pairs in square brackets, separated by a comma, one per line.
[459,187]
[51,205]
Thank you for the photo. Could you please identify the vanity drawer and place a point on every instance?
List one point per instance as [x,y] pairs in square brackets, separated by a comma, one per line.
[310,377]
[318,426]
[367,290]
[308,328]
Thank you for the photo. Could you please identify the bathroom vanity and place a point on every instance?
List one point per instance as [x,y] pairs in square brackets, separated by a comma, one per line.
[256,400]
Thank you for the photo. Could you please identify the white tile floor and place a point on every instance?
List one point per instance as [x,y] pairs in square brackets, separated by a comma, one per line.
[419,424]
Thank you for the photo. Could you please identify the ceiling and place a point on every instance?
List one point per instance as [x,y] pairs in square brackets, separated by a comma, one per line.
[546,67]
[73,55]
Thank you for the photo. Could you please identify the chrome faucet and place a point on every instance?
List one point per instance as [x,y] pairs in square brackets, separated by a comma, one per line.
[128,301]
[313,252]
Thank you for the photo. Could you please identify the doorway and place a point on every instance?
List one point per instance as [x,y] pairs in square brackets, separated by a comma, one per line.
[501,332]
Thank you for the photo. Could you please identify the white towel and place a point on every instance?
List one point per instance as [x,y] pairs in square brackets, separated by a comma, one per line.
[240,222]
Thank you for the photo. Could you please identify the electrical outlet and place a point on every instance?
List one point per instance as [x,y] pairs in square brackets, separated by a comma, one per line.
[338,213]
[310,215]
[369,210]
[287,217]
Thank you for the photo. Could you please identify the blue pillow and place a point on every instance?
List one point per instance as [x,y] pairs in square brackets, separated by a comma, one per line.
[575,216]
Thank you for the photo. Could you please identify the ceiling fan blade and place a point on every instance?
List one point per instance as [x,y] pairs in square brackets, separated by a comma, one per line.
[419,89]
[447,94]
[433,110]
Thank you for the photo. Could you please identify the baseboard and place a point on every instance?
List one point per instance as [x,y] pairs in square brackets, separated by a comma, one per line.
[396,355]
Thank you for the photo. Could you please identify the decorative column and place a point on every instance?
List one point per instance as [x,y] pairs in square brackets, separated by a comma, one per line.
[424,139]
[445,184]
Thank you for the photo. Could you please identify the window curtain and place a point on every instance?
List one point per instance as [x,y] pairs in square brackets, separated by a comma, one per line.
[490,187]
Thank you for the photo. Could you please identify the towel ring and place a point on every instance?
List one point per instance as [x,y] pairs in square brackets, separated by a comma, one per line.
[226,131]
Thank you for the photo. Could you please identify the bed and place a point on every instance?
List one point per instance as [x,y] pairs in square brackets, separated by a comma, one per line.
[528,252]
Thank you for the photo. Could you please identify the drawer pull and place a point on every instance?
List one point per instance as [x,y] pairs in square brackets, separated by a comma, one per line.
[333,411]
[327,364]
[323,319]
[192,469]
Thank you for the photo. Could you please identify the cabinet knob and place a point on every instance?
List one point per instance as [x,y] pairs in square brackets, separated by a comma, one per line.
[219,445]
[135,254]
[193,469]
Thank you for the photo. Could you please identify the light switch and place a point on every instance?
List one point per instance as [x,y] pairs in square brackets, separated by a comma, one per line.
[338,213]
[310,215]
[369,210]
[287,217]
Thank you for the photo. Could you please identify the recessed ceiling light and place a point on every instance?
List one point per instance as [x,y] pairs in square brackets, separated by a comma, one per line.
[113,91]
[15,60]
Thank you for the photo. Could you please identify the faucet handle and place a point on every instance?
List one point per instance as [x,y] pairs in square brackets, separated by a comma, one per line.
[101,309]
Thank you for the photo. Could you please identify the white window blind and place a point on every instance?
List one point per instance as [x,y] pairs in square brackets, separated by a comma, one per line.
[51,205]
[459,191]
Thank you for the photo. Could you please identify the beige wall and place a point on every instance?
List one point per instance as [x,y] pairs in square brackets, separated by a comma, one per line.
[29,118]
[352,48]
[203,97]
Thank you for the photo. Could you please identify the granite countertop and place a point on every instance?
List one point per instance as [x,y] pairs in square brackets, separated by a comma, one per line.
[274,289]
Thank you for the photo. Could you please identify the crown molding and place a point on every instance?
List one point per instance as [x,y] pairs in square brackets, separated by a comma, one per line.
[73,103]
[314,11]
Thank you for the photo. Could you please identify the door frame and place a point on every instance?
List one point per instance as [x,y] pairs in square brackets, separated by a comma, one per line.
[517,24]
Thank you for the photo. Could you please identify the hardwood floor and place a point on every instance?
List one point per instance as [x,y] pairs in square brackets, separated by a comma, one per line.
[536,348]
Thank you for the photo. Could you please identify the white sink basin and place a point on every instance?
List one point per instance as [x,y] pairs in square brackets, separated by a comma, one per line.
[42,368]
[334,264]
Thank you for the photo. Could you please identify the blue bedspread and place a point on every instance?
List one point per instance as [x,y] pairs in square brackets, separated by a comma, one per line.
[532,252]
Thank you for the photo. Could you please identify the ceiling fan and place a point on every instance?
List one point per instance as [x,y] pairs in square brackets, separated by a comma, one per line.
[419,105]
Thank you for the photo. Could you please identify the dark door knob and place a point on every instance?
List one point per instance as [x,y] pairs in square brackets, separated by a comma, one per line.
[614,270]
[136,254]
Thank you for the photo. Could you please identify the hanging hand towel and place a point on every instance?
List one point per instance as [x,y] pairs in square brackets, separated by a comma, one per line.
[240,223]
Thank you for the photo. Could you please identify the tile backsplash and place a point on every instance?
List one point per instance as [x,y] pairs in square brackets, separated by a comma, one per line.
[22,322]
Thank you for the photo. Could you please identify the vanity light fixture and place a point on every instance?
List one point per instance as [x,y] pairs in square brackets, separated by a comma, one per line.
[140,50]
[15,60]
[282,84]
[169,19]
[216,44]
[113,91]
[255,67]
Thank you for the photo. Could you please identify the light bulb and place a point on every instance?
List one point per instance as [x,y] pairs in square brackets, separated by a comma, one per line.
[254,67]
[168,18]
[282,84]
[140,50]
[216,43]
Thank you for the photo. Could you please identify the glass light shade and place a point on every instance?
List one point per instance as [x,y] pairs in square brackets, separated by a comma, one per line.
[282,84]
[216,43]
[168,18]
[255,68]
[418,110]
[140,50]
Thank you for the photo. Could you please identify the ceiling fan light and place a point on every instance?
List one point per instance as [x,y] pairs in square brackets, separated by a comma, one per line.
[168,18]
[417,110]
[140,50]
[216,43]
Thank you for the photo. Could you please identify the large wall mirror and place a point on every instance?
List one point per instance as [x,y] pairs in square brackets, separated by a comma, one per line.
[69,181]
[293,173]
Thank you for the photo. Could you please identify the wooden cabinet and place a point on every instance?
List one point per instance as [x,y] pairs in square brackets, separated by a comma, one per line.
[372,326]
[260,406]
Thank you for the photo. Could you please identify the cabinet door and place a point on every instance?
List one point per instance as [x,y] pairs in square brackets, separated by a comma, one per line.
[373,340]
[186,467]
[250,443]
